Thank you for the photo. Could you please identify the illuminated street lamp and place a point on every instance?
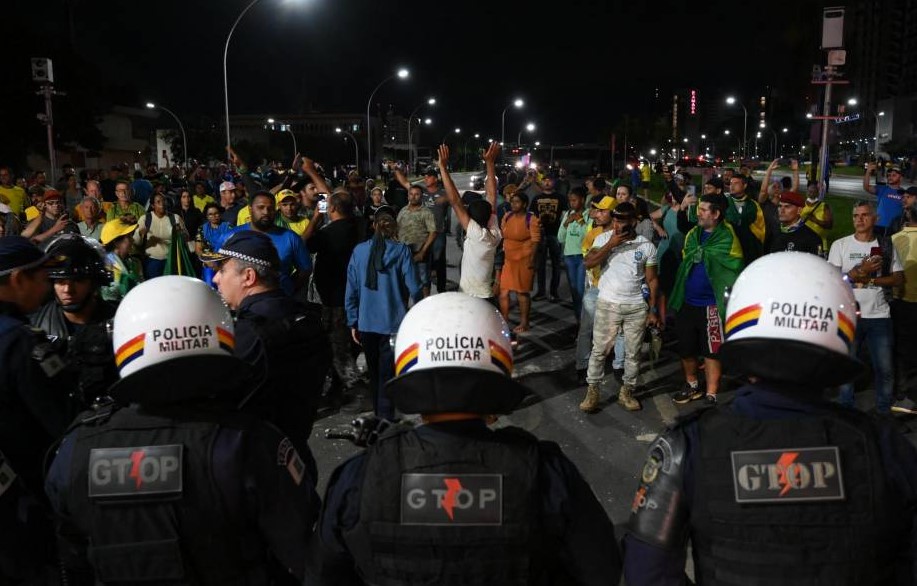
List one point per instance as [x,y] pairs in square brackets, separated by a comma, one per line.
[529,127]
[517,103]
[285,128]
[731,100]
[184,139]
[356,147]
[401,74]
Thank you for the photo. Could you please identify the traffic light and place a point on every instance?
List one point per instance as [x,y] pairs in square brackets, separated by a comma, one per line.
[41,70]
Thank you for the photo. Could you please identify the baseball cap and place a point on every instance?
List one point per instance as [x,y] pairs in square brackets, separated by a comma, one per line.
[912,190]
[249,246]
[793,198]
[285,194]
[227,186]
[606,203]
[50,194]
[896,169]
[18,253]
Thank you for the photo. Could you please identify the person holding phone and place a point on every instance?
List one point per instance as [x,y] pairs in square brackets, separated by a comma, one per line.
[53,220]
[870,268]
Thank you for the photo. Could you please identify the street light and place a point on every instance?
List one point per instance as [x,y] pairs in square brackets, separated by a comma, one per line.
[517,103]
[529,127]
[225,72]
[876,116]
[457,131]
[852,102]
[184,139]
[731,100]
[356,147]
[401,74]
[284,128]
[429,102]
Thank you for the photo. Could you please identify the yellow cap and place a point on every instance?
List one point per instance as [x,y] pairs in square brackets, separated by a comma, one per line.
[283,194]
[114,229]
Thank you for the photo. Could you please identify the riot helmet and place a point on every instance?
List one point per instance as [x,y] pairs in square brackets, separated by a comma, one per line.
[791,317]
[453,355]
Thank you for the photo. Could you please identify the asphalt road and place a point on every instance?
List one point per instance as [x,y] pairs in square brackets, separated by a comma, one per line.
[608,447]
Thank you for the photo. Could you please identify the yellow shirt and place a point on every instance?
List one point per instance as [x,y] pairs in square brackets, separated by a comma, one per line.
[810,210]
[905,243]
[298,226]
[595,272]
[15,197]
[245,216]
[200,202]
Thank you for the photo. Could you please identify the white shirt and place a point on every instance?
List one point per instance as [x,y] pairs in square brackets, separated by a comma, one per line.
[846,253]
[478,258]
[622,275]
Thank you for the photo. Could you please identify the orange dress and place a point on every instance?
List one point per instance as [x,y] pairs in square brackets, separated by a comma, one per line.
[520,240]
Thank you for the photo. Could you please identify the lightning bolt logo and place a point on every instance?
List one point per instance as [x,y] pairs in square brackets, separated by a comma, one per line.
[783,468]
[136,458]
[453,486]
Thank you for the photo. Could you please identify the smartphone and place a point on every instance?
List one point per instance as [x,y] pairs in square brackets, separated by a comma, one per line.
[323,206]
[692,190]
[875,251]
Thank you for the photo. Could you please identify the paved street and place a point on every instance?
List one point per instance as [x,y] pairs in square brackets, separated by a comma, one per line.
[608,447]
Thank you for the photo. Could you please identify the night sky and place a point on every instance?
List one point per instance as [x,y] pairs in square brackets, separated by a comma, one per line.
[580,66]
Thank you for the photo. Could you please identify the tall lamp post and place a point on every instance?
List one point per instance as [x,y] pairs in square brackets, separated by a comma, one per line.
[876,116]
[518,103]
[430,102]
[731,100]
[401,74]
[225,73]
[356,147]
[284,128]
[529,127]
[477,137]
[184,138]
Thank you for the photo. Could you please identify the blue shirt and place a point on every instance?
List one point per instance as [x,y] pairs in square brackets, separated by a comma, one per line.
[381,310]
[290,248]
[890,205]
[142,190]
[698,290]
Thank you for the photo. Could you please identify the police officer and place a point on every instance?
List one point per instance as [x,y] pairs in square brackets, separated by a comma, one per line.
[171,484]
[77,319]
[281,337]
[780,486]
[34,412]
[452,501]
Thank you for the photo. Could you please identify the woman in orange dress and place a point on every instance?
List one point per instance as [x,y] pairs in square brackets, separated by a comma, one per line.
[521,233]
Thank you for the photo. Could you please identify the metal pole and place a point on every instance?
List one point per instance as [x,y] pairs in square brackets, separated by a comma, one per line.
[823,154]
[184,138]
[503,126]
[295,148]
[47,90]
[356,150]
[225,73]
[876,153]
[369,144]
[745,134]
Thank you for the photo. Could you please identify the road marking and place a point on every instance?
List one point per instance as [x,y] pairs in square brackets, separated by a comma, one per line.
[646,437]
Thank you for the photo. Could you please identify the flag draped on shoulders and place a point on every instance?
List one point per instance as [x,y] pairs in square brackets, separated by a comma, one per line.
[721,254]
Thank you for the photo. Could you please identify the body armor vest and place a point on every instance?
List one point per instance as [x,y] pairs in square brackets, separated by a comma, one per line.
[806,516]
[449,510]
[154,519]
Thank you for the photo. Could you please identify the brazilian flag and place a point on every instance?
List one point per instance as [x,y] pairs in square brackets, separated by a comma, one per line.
[179,260]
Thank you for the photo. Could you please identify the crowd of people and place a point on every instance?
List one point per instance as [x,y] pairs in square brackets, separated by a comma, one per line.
[112,328]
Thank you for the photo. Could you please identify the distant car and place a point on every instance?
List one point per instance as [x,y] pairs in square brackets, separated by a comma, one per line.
[477,178]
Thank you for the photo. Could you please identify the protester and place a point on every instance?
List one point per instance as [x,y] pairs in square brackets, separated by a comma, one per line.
[573,227]
[793,233]
[417,228]
[209,236]
[521,232]
[126,269]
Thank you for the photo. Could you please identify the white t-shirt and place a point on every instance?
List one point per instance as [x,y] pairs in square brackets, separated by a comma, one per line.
[846,253]
[622,277]
[478,258]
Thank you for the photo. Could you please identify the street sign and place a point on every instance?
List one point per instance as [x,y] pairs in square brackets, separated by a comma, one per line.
[848,118]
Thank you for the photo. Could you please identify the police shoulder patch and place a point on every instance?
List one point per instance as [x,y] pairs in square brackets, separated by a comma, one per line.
[451,499]
[288,457]
[788,475]
[137,471]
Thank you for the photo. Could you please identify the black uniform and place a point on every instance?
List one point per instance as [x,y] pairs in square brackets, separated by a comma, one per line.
[183,494]
[779,487]
[87,347]
[34,412]
[283,339]
[458,503]
[800,238]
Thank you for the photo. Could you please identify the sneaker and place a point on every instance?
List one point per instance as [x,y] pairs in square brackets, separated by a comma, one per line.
[710,400]
[687,394]
[905,405]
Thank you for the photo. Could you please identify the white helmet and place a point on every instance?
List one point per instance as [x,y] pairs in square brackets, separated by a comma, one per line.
[453,354]
[173,339]
[791,317]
